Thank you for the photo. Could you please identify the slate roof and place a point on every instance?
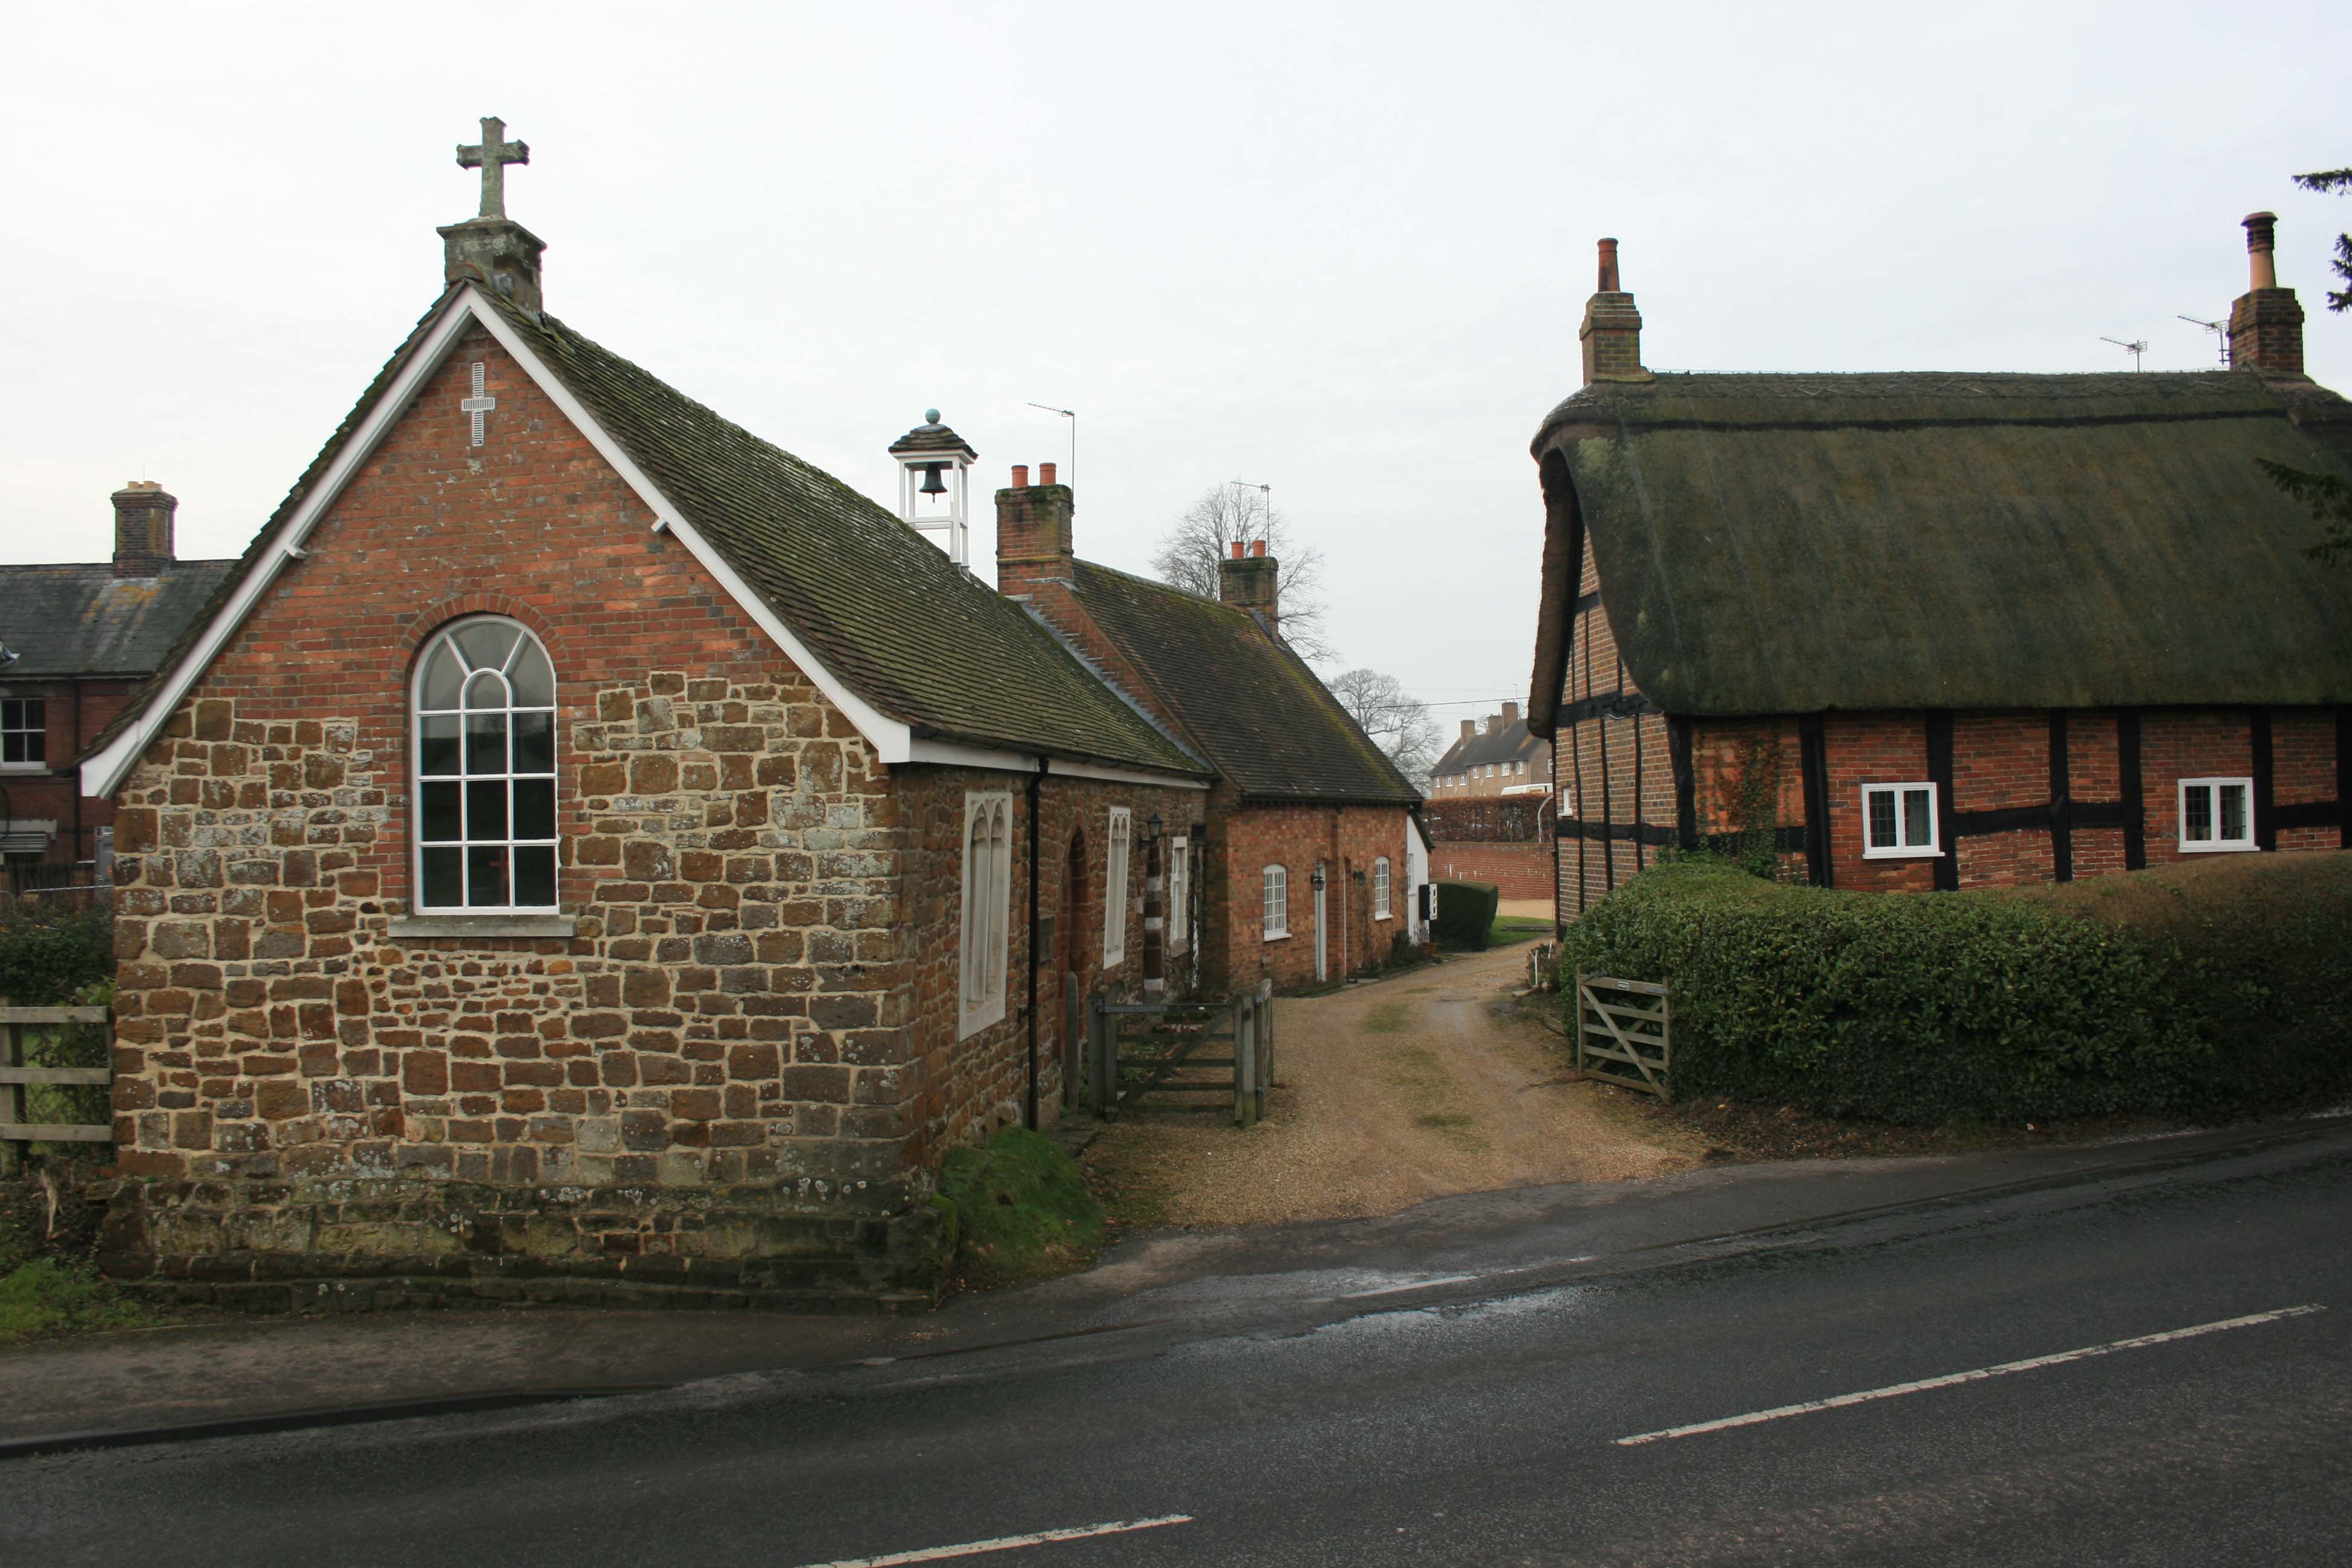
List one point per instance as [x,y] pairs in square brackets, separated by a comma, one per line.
[1797,543]
[84,620]
[884,610]
[1239,695]
[1507,744]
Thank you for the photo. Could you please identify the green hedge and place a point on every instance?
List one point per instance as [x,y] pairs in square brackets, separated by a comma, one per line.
[2216,986]
[47,955]
[1465,913]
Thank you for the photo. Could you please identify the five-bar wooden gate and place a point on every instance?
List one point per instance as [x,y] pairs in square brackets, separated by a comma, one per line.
[1139,1049]
[1624,1033]
[18,1131]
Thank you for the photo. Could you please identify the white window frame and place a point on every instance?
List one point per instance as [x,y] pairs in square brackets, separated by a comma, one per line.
[1902,850]
[41,763]
[2215,845]
[1119,840]
[417,714]
[984,948]
[1380,887]
[1177,916]
[1274,902]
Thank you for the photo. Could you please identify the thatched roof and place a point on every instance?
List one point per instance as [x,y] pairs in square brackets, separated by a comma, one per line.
[1797,543]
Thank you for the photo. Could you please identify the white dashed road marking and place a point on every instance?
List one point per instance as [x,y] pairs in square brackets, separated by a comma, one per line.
[1006,1542]
[1948,1380]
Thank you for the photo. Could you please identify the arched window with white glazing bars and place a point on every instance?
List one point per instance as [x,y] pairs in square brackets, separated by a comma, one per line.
[1277,902]
[484,740]
[1381,888]
[987,909]
[1115,894]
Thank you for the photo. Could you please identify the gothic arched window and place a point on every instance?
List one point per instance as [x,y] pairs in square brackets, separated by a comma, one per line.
[484,740]
[987,907]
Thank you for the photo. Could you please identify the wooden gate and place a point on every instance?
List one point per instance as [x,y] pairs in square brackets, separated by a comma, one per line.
[1139,1049]
[18,1131]
[1624,1033]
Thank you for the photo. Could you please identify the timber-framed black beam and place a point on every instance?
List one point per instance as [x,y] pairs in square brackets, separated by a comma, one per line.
[1814,764]
[2061,802]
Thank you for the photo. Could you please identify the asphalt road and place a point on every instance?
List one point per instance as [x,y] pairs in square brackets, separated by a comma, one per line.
[1468,1411]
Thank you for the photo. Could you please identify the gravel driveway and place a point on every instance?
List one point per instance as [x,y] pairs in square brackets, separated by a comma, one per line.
[1388,1094]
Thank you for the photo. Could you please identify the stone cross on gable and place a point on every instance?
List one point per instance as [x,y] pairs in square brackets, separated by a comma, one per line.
[492,157]
[481,403]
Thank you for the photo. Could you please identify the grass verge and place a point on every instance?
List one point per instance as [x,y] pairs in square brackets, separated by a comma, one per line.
[1019,1209]
[49,1286]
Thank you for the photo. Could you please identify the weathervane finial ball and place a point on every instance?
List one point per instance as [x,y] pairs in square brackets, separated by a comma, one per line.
[931,415]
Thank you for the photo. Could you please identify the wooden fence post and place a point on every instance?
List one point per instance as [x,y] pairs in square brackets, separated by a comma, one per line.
[12,1097]
[1244,1017]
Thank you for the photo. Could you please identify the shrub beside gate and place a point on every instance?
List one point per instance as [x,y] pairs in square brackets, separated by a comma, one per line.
[2187,988]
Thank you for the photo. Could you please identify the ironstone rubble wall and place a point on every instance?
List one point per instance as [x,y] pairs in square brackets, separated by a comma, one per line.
[707,1088]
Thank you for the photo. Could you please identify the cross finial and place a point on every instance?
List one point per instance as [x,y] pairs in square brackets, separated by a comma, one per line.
[492,157]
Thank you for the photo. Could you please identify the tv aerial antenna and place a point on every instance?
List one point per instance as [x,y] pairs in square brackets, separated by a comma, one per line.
[2134,349]
[2220,330]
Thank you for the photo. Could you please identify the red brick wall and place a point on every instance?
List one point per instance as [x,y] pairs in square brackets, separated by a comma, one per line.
[1521,870]
[76,711]
[1246,838]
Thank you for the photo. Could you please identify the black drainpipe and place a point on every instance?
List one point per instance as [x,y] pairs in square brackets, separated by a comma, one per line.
[1036,780]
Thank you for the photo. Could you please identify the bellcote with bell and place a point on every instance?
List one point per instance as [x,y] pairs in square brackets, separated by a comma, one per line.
[935,484]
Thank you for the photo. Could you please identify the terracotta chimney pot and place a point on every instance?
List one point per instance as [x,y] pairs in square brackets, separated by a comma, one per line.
[1019,476]
[1238,550]
[1044,473]
[2262,241]
[1257,547]
[1609,266]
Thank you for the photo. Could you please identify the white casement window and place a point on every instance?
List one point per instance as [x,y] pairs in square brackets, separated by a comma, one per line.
[484,743]
[1277,902]
[987,908]
[1115,895]
[1898,821]
[23,732]
[1179,912]
[1381,888]
[2216,815]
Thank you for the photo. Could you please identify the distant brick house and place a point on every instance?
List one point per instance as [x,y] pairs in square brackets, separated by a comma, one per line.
[1941,630]
[1498,757]
[1301,873]
[76,641]
[584,851]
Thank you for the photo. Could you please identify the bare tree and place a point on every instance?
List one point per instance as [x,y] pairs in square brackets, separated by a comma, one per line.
[1206,535]
[1398,722]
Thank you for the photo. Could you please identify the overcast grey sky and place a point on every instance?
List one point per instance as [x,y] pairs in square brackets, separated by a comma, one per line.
[1338,249]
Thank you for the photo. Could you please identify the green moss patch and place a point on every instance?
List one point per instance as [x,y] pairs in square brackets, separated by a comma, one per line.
[1019,1209]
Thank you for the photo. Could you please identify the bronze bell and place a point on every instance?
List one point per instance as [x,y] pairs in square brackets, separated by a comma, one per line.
[932,486]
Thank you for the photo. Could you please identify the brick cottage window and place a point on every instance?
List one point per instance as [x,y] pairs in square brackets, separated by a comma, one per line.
[1898,821]
[1277,902]
[23,732]
[987,907]
[1381,888]
[1179,895]
[485,749]
[1115,899]
[2216,815]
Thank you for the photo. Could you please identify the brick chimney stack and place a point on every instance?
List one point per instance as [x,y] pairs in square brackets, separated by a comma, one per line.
[1033,532]
[142,529]
[1469,728]
[1509,717]
[1252,579]
[2266,321]
[1612,333]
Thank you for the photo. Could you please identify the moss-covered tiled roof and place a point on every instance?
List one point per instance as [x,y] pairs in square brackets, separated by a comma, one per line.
[1239,694]
[1797,543]
[885,610]
[84,620]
